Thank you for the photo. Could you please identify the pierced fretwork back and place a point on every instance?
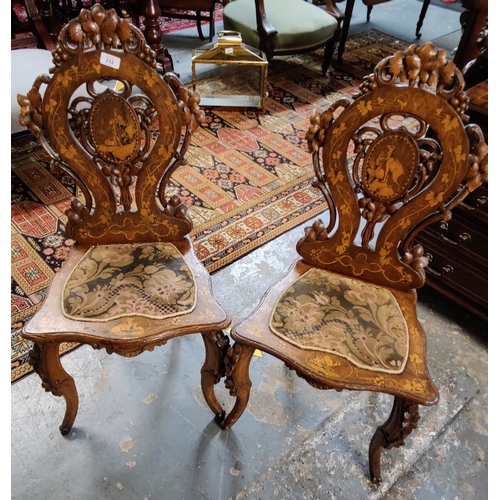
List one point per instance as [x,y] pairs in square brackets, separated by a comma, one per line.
[118,127]
[396,159]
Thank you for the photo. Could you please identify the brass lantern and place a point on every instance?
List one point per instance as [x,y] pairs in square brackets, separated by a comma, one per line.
[240,71]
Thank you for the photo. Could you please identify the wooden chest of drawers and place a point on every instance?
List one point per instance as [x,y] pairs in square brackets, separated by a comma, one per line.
[458,249]
[458,253]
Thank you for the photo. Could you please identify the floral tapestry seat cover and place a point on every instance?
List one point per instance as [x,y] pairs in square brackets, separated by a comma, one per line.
[358,321]
[113,281]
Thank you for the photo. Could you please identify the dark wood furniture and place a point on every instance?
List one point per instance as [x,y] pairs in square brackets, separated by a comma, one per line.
[132,280]
[45,18]
[473,19]
[421,17]
[345,315]
[181,9]
[458,248]
[263,25]
[458,253]
[41,26]
[370,3]
[150,11]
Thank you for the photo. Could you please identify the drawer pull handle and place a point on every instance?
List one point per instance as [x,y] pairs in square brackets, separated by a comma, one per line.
[462,238]
[446,269]
[482,200]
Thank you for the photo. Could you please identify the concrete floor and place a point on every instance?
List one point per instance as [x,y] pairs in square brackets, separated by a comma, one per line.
[144,431]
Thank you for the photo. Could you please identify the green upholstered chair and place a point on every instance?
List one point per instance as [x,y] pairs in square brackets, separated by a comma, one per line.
[280,27]
[390,162]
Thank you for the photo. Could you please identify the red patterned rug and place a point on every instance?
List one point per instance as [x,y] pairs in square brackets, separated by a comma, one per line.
[248,178]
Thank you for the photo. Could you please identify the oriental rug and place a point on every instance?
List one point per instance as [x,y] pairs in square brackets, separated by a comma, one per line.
[248,178]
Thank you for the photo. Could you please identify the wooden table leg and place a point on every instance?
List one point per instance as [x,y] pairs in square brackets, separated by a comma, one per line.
[420,22]
[154,35]
[345,29]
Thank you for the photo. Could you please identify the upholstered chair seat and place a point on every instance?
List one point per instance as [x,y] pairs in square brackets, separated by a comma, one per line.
[299,27]
[335,314]
[281,27]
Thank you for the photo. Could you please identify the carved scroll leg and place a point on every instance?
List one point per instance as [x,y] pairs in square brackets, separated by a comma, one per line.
[403,419]
[46,362]
[238,380]
[216,345]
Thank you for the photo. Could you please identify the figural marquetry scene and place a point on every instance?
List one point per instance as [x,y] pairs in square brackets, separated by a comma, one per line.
[396,157]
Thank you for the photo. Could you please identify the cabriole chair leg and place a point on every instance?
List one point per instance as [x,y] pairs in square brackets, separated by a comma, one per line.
[46,362]
[392,434]
[238,380]
[216,346]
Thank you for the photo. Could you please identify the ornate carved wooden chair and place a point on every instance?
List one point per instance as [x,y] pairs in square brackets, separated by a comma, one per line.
[395,159]
[279,27]
[132,280]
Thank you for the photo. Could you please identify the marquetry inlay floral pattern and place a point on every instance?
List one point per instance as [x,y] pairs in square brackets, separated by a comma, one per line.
[413,160]
[118,129]
[130,129]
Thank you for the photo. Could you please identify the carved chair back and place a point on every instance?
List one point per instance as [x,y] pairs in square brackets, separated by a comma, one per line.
[394,160]
[123,139]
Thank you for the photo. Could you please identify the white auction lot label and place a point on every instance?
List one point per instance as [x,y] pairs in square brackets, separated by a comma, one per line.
[110,60]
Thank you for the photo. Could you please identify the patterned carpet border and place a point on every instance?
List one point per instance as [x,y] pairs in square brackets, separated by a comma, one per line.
[248,178]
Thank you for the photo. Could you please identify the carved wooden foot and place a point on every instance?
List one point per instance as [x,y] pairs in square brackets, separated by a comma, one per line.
[46,362]
[392,434]
[237,380]
[216,345]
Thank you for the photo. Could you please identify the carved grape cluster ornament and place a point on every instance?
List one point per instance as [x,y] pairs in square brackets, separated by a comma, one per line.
[420,66]
[189,102]
[103,30]
[320,122]
[478,158]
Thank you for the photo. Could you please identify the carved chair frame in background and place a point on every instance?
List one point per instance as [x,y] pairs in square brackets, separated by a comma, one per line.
[345,316]
[132,280]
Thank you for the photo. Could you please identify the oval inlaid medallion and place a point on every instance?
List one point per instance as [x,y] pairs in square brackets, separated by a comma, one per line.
[389,166]
[115,129]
